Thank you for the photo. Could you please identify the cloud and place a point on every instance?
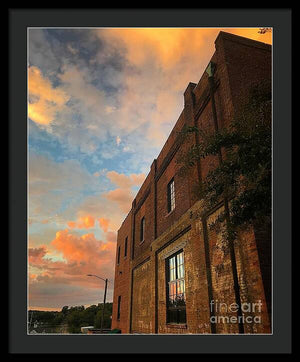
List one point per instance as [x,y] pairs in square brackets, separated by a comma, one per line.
[45,99]
[164,45]
[147,68]
[104,223]
[108,207]
[83,248]
[111,236]
[124,181]
[161,62]
[101,208]
[55,186]
[169,46]
[82,254]
[77,83]
[123,195]
[36,254]
[85,222]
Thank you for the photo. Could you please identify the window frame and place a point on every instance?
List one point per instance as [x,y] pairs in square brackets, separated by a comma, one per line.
[175,281]
[171,202]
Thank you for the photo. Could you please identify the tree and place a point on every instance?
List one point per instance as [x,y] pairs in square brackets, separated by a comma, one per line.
[65,310]
[74,320]
[107,316]
[264,30]
[244,175]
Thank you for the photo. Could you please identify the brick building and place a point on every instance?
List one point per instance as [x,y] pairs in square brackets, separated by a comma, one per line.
[166,249]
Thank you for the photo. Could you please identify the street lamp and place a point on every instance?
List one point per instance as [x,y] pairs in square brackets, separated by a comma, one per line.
[104,299]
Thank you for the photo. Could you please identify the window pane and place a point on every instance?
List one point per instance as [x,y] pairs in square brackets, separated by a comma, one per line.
[180,284]
[180,271]
[172,274]
[172,289]
[180,259]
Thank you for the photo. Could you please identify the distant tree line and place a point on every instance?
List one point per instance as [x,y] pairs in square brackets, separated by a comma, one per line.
[72,317]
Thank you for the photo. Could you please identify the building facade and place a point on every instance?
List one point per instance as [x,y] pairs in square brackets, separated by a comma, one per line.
[173,273]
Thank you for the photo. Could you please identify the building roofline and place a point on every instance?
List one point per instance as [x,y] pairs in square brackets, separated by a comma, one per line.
[242,40]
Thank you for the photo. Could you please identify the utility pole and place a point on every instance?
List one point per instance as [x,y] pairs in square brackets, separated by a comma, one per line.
[104,298]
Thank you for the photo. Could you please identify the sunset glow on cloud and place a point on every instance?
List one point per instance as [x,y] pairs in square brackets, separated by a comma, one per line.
[83,223]
[44,99]
[104,223]
[101,103]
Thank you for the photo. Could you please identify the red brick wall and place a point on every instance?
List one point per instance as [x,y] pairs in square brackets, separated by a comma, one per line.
[248,62]
[122,278]
[144,207]
[182,198]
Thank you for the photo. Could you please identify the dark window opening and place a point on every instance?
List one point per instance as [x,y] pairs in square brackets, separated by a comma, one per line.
[119,307]
[125,247]
[142,230]
[176,304]
[171,195]
[119,252]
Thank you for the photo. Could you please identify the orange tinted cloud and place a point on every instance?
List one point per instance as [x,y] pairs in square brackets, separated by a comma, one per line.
[124,181]
[163,44]
[111,236]
[72,224]
[104,224]
[45,100]
[168,46]
[82,254]
[88,221]
[84,222]
[36,255]
[252,33]
[52,283]
[166,59]
[123,197]
[84,248]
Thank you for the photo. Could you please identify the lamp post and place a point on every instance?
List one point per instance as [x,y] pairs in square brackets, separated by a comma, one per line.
[104,299]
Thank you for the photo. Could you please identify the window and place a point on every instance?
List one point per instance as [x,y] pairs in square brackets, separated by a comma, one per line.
[171,196]
[142,229]
[175,289]
[125,247]
[119,252]
[119,307]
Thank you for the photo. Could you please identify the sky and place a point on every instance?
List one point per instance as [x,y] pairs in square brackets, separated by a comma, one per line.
[101,104]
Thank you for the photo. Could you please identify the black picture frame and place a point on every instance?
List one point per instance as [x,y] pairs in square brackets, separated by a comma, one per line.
[18,340]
